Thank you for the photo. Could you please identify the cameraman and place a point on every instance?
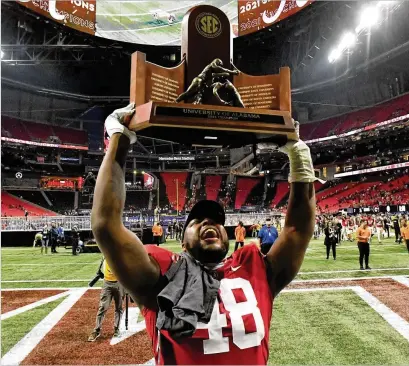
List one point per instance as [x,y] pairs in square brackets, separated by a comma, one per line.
[111,289]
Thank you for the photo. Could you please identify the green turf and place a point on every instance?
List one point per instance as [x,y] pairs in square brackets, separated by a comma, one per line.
[15,328]
[332,328]
[27,264]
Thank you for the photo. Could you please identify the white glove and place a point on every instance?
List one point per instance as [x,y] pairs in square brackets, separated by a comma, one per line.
[301,168]
[115,122]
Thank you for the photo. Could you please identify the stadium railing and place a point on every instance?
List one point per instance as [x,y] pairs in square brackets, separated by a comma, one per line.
[84,222]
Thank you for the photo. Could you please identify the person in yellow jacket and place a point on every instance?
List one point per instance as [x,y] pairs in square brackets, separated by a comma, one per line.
[111,289]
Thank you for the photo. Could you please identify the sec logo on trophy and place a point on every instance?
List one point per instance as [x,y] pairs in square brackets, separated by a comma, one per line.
[208,25]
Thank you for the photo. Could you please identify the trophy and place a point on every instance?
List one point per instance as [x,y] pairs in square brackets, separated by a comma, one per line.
[206,100]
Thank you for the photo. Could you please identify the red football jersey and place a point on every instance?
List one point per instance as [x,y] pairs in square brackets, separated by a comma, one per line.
[238,331]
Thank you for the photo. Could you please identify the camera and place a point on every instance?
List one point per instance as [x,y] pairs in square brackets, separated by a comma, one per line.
[96,279]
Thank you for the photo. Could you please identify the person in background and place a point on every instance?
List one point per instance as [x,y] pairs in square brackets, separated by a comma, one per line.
[386,224]
[395,223]
[75,238]
[338,229]
[53,237]
[38,240]
[404,230]
[379,230]
[169,231]
[46,237]
[267,235]
[157,232]
[344,224]
[178,231]
[111,290]
[363,235]
[240,234]
[256,229]
[330,240]
[61,235]
[371,227]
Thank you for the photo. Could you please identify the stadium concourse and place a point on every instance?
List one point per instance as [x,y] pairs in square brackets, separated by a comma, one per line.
[350,93]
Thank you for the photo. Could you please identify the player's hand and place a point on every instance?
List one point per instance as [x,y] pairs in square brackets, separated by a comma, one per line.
[116,122]
[271,146]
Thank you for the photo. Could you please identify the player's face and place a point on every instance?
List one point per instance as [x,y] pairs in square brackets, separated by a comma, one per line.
[206,241]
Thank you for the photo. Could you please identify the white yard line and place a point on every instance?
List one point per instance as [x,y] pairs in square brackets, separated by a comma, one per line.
[30,341]
[133,326]
[355,270]
[343,246]
[401,279]
[38,281]
[394,320]
[28,307]
[342,279]
[49,264]
[50,288]
[316,289]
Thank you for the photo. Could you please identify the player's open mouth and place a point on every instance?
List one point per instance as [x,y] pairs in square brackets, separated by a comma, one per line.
[209,235]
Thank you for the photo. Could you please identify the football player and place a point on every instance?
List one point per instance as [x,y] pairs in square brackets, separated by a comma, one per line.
[238,329]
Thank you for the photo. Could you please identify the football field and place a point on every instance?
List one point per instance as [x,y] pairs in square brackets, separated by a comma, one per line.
[332,313]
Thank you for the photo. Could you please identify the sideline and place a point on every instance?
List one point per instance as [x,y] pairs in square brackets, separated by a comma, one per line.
[357,270]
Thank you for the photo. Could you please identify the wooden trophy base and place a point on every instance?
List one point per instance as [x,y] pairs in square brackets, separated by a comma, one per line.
[211,125]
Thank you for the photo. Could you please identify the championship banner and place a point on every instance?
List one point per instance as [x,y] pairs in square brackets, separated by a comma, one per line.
[77,14]
[256,15]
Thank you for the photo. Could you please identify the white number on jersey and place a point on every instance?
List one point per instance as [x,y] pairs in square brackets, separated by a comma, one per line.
[216,342]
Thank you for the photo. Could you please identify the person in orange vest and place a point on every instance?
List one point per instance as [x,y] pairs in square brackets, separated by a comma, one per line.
[157,232]
[363,235]
[239,233]
[404,231]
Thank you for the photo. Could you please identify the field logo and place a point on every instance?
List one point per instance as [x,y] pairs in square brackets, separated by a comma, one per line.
[208,25]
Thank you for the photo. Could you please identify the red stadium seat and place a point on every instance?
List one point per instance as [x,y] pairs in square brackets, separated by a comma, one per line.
[172,180]
[14,206]
[283,188]
[32,131]
[347,122]
[212,186]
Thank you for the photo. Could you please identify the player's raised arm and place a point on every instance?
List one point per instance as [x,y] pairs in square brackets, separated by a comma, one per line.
[287,253]
[122,249]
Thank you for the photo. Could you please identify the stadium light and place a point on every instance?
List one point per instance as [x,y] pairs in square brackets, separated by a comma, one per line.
[348,40]
[385,3]
[369,17]
[334,55]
